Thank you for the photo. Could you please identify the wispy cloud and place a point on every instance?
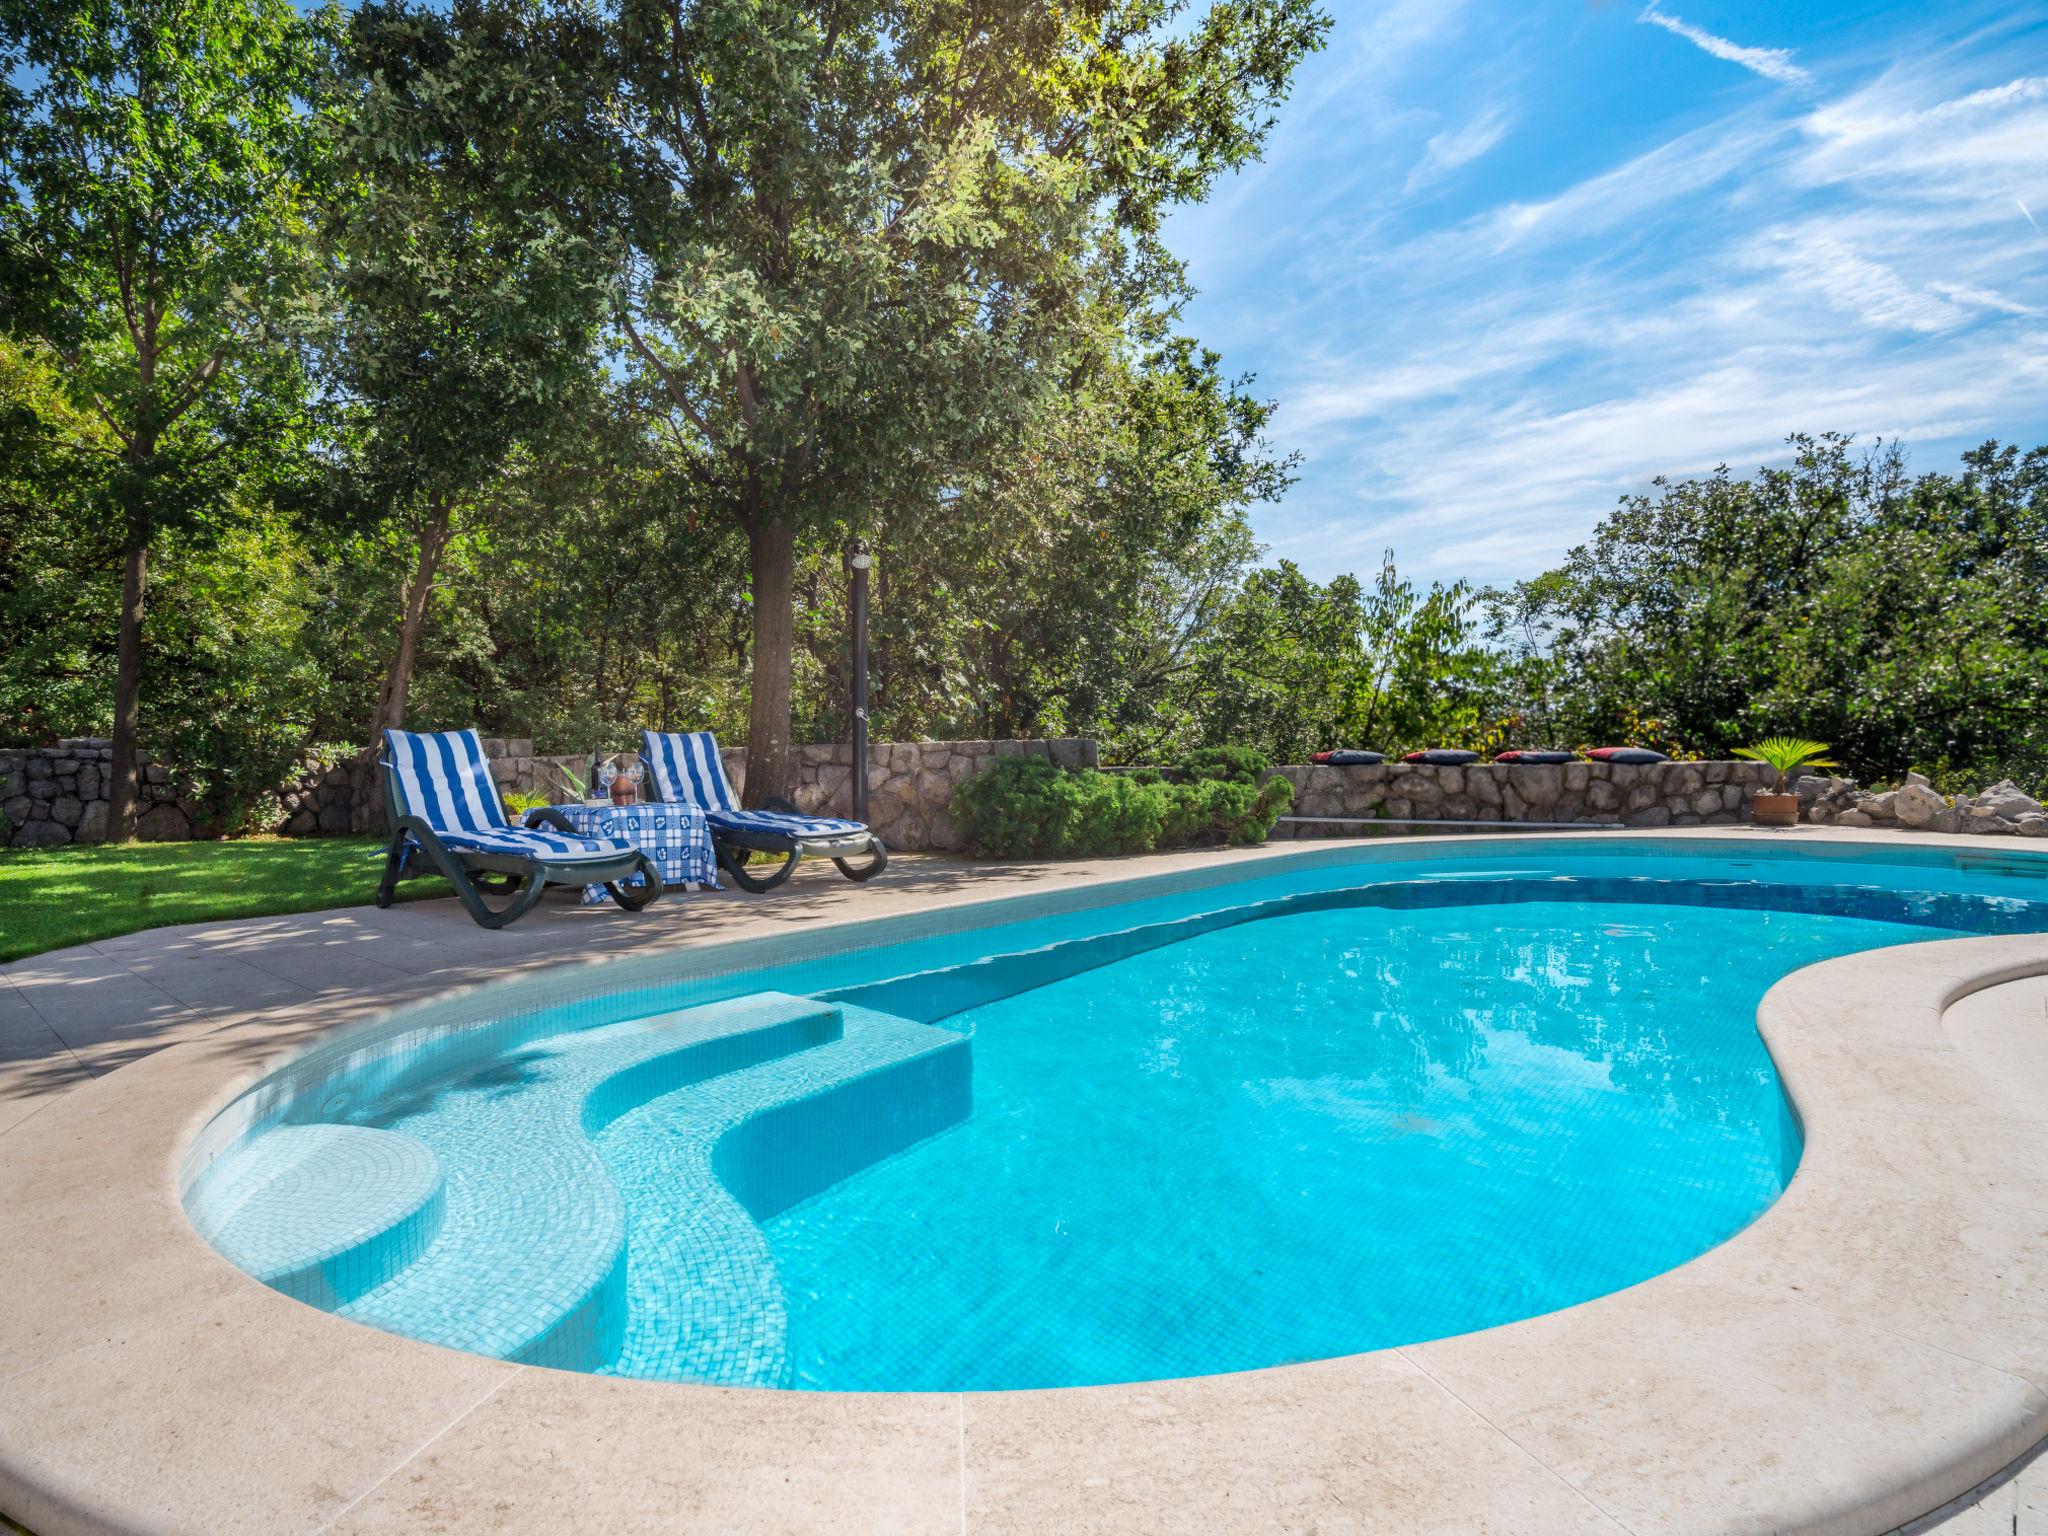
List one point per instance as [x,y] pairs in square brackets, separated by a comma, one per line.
[1475,375]
[1455,147]
[1771,63]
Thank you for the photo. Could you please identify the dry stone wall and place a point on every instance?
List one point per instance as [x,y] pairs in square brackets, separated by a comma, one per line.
[56,795]
[1634,795]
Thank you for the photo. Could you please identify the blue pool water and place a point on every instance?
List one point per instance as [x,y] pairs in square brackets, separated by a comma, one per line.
[1356,1102]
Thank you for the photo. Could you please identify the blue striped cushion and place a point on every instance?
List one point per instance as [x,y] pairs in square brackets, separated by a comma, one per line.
[781,823]
[445,780]
[687,769]
[554,846]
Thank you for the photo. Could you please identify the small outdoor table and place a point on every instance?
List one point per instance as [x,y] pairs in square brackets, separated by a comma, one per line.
[676,837]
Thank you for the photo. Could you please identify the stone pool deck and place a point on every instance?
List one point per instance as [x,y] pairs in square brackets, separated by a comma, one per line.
[1874,1345]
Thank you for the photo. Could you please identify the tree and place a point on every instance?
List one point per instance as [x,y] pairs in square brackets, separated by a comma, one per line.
[1901,620]
[469,295]
[862,236]
[155,160]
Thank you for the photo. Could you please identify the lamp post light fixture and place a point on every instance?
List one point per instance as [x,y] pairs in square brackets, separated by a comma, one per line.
[861,561]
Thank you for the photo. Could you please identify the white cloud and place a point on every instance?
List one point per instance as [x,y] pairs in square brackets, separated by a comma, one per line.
[1869,290]
[1771,63]
[1455,147]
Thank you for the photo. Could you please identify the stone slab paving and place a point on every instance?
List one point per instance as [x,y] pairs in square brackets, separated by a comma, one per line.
[1875,1344]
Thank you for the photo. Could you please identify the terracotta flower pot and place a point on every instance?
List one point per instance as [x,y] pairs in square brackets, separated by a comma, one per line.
[1775,810]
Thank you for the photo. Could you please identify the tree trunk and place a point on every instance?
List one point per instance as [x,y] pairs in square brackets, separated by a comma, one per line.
[121,771]
[397,685]
[771,544]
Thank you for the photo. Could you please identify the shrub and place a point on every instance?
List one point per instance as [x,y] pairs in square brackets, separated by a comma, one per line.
[1024,807]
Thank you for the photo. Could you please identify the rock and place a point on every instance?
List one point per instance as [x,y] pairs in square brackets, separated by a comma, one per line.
[42,789]
[92,826]
[38,768]
[1707,802]
[1483,785]
[2034,825]
[1878,805]
[1540,783]
[1649,816]
[2007,799]
[163,824]
[1854,819]
[1066,752]
[41,834]
[1949,820]
[153,773]
[1916,781]
[301,823]
[1577,776]
[16,809]
[1917,805]
[1602,796]
[66,811]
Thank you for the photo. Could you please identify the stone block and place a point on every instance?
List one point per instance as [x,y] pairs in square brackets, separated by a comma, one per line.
[2034,825]
[164,824]
[1066,751]
[89,786]
[42,789]
[333,819]
[1603,796]
[154,773]
[92,826]
[1577,776]
[1640,798]
[301,823]
[16,808]
[1917,805]
[38,768]
[65,810]
[41,834]
[1706,802]
[1649,816]
[1483,784]
[1539,783]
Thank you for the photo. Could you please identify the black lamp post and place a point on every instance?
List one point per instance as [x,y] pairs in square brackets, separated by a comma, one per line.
[860,561]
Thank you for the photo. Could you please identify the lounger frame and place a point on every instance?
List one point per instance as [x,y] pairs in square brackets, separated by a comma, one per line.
[733,845]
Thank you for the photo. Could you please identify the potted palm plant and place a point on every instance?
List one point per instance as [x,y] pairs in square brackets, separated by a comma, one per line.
[1778,807]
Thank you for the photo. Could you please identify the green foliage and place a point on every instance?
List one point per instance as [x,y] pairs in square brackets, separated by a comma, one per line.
[1785,753]
[1901,618]
[1025,807]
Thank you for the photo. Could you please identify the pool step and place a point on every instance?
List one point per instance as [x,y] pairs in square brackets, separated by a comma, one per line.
[324,1213]
[530,1264]
[702,1166]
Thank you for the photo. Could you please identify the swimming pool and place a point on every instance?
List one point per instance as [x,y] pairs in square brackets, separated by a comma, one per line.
[1370,1097]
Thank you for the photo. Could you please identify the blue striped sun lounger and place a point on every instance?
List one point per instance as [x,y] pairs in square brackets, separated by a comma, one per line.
[444,808]
[685,767]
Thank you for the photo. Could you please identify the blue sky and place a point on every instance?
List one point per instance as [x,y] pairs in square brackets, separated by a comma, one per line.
[1505,261]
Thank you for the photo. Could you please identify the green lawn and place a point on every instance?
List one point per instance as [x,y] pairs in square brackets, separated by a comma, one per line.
[53,897]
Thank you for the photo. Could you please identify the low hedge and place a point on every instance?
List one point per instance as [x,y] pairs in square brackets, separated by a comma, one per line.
[1025,807]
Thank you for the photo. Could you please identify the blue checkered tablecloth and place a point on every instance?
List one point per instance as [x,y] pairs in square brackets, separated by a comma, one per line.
[677,837]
